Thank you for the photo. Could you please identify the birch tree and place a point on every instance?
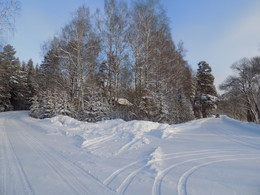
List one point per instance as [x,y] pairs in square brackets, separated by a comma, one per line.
[78,47]
[161,74]
[247,84]
[8,11]
[112,30]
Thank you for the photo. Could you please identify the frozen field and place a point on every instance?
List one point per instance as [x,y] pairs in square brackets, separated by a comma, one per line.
[64,156]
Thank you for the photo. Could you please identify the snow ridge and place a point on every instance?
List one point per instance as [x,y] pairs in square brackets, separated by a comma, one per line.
[155,162]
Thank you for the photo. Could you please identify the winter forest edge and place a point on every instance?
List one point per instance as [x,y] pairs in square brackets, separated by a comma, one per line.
[122,63]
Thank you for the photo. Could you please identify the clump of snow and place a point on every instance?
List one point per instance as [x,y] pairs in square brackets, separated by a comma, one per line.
[123,101]
[131,135]
[155,161]
[64,120]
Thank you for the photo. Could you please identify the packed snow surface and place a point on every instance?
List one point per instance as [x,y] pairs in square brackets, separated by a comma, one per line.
[65,156]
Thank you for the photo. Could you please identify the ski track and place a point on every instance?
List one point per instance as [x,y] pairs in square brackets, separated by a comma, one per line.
[67,160]
[70,174]
[58,167]
[12,168]
[182,183]
[3,156]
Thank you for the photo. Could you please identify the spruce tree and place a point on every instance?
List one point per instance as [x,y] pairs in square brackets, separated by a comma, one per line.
[31,83]
[19,89]
[206,95]
[8,66]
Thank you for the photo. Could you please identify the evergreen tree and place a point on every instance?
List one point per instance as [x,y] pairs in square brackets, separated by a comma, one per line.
[8,66]
[206,95]
[50,70]
[19,89]
[37,107]
[31,83]
[48,104]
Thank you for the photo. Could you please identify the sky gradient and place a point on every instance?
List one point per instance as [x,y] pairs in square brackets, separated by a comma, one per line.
[217,31]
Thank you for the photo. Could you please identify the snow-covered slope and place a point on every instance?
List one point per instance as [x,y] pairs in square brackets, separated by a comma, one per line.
[65,156]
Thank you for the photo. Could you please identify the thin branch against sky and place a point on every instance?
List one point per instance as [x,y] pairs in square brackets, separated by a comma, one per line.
[219,32]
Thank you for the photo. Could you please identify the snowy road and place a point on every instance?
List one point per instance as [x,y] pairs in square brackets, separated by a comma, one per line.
[64,156]
[30,165]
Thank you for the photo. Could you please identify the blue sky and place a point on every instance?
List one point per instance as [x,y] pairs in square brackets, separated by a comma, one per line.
[217,31]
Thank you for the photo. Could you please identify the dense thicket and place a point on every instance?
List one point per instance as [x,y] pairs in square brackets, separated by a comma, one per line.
[17,81]
[242,97]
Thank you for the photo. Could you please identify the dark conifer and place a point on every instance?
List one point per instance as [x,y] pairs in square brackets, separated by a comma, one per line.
[206,95]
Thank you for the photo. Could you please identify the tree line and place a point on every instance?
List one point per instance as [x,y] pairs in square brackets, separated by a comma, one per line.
[121,62]
[17,81]
[117,63]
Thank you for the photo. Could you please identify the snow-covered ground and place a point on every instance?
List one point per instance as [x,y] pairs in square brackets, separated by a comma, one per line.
[65,156]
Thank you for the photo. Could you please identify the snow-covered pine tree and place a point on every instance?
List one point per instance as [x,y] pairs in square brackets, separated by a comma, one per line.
[32,86]
[206,95]
[96,107]
[183,109]
[8,65]
[37,109]
[19,90]
[5,95]
[62,104]
[48,104]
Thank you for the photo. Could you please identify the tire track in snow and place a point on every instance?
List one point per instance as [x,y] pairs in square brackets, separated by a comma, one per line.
[97,140]
[182,183]
[128,180]
[156,189]
[12,167]
[111,177]
[128,145]
[190,153]
[122,188]
[227,134]
[70,173]
[130,172]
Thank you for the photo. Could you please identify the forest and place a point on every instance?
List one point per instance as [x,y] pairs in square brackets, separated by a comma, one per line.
[122,62]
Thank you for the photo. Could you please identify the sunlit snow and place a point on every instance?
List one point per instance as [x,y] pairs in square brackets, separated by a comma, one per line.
[64,156]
